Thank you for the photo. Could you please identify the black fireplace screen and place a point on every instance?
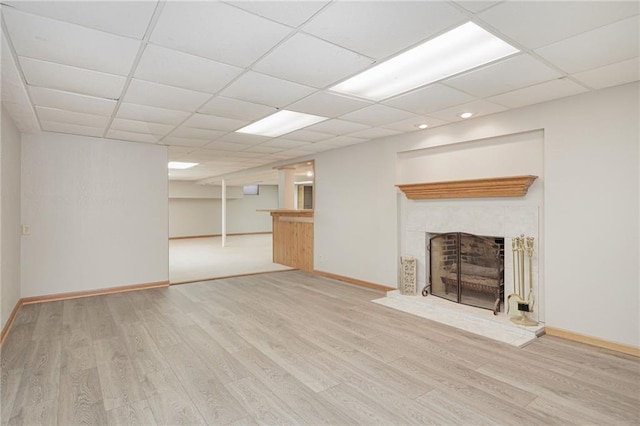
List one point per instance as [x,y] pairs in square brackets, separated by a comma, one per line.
[467,269]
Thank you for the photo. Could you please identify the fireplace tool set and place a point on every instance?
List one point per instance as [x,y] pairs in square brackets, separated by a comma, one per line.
[517,306]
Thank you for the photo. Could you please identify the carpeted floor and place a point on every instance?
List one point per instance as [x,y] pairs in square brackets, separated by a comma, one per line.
[199,259]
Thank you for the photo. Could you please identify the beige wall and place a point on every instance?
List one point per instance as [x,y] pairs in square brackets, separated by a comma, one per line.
[10,230]
[203,216]
[97,209]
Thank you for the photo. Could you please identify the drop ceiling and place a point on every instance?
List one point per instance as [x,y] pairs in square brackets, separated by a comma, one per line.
[189,74]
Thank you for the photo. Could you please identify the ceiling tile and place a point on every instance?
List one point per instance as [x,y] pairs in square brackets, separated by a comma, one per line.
[293,153]
[243,138]
[261,149]
[14,93]
[167,66]
[158,95]
[132,136]
[327,105]
[72,79]
[71,101]
[141,126]
[62,116]
[235,108]
[207,155]
[24,118]
[308,136]
[343,141]
[153,114]
[308,60]
[431,98]
[190,132]
[72,129]
[604,46]
[373,133]
[337,127]
[320,147]
[176,141]
[216,31]
[411,125]
[504,76]
[178,151]
[266,90]
[611,75]
[69,44]
[285,143]
[205,121]
[539,93]
[476,6]
[129,19]
[379,29]
[539,23]
[478,108]
[376,115]
[225,146]
[293,13]
[244,154]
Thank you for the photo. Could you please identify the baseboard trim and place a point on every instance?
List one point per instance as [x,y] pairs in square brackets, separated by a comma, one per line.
[354,281]
[7,326]
[247,274]
[96,292]
[188,237]
[593,341]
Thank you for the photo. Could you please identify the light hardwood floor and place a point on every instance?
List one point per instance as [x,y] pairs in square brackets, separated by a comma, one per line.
[292,348]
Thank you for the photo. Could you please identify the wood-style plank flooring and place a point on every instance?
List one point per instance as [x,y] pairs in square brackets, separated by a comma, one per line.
[292,348]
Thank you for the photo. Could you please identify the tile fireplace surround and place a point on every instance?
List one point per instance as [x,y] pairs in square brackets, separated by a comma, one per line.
[419,219]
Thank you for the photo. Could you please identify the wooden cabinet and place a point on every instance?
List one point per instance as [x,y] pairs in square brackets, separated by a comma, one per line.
[293,238]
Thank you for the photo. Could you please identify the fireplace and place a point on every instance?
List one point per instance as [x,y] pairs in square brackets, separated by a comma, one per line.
[467,269]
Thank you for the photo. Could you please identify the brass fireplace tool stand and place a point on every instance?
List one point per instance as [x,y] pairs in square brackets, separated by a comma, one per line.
[518,307]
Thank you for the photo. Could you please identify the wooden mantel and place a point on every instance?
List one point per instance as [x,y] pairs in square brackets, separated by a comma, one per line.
[509,186]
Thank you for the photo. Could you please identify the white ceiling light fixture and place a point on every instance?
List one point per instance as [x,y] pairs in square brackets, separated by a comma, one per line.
[463,48]
[422,126]
[281,122]
[180,165]
[466,115]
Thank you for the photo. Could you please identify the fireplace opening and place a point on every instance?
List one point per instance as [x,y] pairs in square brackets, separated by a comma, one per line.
[467,269]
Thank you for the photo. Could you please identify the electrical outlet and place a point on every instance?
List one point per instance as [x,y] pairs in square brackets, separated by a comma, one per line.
[524,307]
[26,230]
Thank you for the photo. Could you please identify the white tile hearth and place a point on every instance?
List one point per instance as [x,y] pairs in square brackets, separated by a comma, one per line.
[468,318]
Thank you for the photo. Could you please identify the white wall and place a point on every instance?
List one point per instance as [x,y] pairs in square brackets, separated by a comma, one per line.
[10,217]
[242,215]
[189,189]
[203,216]
[189,217]
[591,206]
[97,209]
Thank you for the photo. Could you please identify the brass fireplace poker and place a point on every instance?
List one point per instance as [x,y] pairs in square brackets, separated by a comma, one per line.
[517,306]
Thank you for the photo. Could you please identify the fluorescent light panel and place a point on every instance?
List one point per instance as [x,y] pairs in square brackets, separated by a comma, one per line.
[280,123]
[461,49]
[179,165]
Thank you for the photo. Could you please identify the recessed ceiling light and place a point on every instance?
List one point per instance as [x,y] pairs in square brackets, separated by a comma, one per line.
[179,165]
[463,48]
[280,123]
[422,126]
[465,115]
[309,173]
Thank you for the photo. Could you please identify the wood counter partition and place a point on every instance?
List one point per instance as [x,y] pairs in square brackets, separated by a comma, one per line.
[293,238]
